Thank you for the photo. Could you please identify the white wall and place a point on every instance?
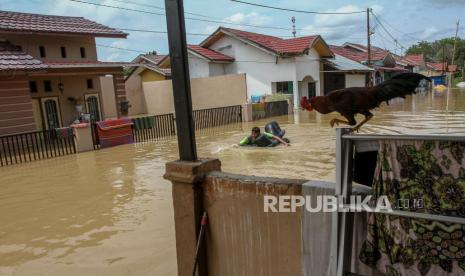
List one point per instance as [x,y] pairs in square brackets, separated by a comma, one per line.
[355,80]
[309,65]
[216,69]
[198,68]
[260,67]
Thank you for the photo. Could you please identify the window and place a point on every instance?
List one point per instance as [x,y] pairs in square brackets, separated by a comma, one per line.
[285,87]
[42,51]
[63,52]
[83,52]
[47,86]
[33,87]
[90,84]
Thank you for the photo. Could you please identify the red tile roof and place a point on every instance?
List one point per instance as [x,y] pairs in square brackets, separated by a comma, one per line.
[282,46]
[276,45]
[359,55]
[414,59]
[16,22]
[209,54]
[391,69]
[13,58]
[437,66]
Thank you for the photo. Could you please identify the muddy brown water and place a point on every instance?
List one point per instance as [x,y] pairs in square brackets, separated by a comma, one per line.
[109,212]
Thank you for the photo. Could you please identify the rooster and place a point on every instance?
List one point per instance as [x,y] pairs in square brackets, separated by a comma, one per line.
[360,100]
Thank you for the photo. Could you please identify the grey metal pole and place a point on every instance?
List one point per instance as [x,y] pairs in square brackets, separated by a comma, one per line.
[180,79]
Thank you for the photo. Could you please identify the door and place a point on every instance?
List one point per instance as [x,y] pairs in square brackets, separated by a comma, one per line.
[37,114]
[51,112]
[311,90]
[93,107]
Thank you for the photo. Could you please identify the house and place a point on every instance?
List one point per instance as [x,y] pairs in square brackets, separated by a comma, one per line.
[383,62]
[416,61]
[272,65]
[49,71]
[297,67]
[340,72]
[148,70]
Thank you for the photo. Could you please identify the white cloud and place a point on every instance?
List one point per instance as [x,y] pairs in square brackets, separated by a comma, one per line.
[429,33]
[248,18]
[339,27]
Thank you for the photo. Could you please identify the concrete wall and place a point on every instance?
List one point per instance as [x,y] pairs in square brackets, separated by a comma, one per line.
[355,80]
[198,67]
[108,97]
[135,94]
[52,43]
[244,240]
[210,92]
[149,75]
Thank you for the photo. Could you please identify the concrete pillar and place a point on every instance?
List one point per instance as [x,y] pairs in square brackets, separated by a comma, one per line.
[187,178]
[296,93]
[83,137]
[247,112]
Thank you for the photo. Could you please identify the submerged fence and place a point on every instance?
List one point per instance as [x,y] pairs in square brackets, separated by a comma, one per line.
[214,117]
[269,109]
[153,127]
[36,145]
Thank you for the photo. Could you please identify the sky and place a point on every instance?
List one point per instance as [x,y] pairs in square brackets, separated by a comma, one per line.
[407,21]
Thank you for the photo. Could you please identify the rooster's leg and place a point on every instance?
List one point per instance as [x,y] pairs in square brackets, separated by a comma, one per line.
[337,121]
[367,118]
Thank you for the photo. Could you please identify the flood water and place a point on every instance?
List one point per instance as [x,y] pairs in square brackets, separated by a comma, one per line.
[109,212]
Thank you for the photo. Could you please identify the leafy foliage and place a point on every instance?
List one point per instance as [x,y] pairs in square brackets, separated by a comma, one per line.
[433,51]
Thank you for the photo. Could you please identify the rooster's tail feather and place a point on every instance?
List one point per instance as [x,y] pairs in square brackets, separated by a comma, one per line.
[399,85]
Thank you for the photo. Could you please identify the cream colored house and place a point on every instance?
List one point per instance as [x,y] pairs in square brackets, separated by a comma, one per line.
[48,66]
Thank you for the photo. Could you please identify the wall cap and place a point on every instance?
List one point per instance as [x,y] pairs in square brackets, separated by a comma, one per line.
[188,172]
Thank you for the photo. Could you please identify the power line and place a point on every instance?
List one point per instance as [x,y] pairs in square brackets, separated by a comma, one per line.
[158,32]
[396,29]
[396,41]
[162,8]
[292,10]
[187,18]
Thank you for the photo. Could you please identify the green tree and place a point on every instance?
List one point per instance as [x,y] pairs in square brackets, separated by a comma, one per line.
[433,51]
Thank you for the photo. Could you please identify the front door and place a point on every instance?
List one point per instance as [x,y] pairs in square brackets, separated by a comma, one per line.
[311,90]
[93,107]
[51,112]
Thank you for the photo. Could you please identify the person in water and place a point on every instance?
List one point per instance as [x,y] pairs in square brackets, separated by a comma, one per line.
[264,139]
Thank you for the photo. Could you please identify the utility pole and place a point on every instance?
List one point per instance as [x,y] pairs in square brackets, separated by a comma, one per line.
[368,37]
[443,58]
[371,76]
[180,79]
[455,41]
[293,26]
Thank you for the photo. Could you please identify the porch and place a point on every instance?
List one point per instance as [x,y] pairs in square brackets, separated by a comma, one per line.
[42,100]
